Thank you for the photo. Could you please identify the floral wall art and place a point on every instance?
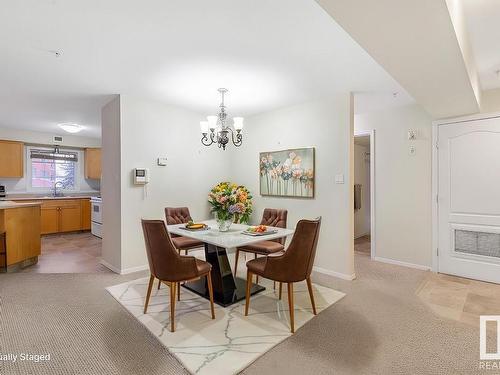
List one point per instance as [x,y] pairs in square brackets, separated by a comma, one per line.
[287,173]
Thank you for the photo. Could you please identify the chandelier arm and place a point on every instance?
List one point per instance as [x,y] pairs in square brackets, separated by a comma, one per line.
[206,141]
[239,138]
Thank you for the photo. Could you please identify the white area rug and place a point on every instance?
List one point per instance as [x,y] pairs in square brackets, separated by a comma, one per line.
[232,341]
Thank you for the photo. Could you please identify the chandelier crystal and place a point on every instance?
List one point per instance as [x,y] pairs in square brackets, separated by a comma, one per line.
[216,129]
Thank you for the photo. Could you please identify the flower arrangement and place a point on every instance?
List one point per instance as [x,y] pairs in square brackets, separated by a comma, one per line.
[230,202]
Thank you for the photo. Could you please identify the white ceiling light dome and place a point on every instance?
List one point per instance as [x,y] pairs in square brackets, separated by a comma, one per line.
[71,127]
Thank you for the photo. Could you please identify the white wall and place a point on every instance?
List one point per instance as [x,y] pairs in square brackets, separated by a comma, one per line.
[20,185]
[490,101]
[111,185]
[148,130]
[326,125]
[362,177]
[402,183]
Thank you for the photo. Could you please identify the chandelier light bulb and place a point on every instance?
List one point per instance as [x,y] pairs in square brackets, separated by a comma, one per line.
[238,123]
[204,127]
[212,122]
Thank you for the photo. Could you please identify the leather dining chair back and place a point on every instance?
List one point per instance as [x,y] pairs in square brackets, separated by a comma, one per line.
[167,265]
[177,215]
[293,266]
[164,260]
[296,263]
[274,217]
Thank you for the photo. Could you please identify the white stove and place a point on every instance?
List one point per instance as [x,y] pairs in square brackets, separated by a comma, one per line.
[96,216]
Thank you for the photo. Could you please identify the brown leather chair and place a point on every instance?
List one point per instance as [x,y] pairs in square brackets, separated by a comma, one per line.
[292,266]
[167,265]
[271,217]
[181,215]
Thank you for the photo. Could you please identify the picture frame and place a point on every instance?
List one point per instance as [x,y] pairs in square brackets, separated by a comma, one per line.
[289,173]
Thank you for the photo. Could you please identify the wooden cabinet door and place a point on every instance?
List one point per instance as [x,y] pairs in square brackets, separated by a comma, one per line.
[70,216]
[86,206]
[93,163]
[49,219]
[11,159]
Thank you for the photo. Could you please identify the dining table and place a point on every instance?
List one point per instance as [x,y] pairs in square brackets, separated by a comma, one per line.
[227,288]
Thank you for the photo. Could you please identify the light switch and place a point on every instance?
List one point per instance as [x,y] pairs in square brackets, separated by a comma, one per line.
[339,178]
[162,162]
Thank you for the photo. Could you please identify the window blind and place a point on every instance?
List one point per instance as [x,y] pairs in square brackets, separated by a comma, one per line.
[53,155]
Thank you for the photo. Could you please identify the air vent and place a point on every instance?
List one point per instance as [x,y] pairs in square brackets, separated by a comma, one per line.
[58,139]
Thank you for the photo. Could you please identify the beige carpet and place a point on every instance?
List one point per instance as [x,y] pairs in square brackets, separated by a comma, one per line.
[380,327]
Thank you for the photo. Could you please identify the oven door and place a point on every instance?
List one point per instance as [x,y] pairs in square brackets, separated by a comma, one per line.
[96,212]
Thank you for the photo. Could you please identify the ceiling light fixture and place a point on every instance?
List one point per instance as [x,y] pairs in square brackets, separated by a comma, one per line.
[219,129]
[71,128]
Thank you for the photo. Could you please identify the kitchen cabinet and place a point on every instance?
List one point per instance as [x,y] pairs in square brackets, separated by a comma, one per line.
[21,225]
[93,163]
[11,159]
[49,217]
[86,207]
[64,215]
[70,216]
[61,215]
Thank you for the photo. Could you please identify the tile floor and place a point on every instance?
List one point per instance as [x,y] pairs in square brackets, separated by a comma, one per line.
[459,299]
[69,253]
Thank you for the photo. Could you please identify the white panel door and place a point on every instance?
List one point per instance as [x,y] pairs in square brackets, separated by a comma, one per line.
[469,199]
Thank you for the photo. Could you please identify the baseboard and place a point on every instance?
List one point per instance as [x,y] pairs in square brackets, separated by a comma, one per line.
[338,275]
[109,266]
[124,271]
[400,263]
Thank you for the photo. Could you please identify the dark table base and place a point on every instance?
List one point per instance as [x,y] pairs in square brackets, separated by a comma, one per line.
[227,288]
[223,299]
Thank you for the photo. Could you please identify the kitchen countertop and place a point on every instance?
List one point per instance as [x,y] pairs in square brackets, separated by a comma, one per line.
[10,204]
[26,197]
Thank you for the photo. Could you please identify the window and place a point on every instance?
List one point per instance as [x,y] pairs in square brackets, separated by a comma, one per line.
[48,167]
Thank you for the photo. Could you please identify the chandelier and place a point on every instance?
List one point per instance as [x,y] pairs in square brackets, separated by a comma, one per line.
[216,130]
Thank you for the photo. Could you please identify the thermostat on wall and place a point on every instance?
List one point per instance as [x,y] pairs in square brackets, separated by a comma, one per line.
[141,176]
[162,162]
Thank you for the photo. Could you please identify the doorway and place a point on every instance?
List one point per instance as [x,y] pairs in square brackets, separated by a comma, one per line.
[467,224]
[363,194]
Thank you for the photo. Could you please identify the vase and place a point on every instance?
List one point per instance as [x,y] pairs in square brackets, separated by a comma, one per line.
[224,223]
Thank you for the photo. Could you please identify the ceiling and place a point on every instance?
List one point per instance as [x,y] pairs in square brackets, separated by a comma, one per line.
[269,53]
[416,42]
[483,27]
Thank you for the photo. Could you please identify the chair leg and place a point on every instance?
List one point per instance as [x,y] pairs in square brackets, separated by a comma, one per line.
[211,293]
[186,252]
[150,286]
[178,291]
[172,286]
[236,261]
[256,276]
[159,284]
[249,287]
[290,306]
[280,289]
[311,295]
